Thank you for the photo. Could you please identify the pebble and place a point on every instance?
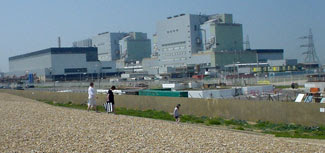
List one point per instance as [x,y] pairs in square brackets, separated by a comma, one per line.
[30,126]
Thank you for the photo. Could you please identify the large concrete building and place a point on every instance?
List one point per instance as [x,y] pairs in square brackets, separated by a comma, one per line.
[61,63]
[209,41]
[113,46]
[188,39]
[108,45]
[221,34]
[135,47]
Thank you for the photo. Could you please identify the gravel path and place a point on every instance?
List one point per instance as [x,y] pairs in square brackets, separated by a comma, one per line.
[30,126]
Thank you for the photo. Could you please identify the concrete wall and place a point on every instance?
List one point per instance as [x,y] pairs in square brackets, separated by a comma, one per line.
[278,112]
[138,49]
[32,64]
[270,56]
[225,58]
[228,37]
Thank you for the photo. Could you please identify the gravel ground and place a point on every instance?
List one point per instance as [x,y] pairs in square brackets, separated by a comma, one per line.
[30,126]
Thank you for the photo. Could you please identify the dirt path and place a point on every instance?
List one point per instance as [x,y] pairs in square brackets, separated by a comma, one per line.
[30,126]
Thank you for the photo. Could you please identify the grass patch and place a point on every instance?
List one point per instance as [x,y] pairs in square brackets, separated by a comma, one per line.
[286,86]
[239,128]
[192,119]
[279,130]
[291,130]
[147,114]
[214,121]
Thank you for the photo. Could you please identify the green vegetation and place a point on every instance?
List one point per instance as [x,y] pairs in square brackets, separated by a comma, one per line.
[286,86]
[279,130]
[291,130]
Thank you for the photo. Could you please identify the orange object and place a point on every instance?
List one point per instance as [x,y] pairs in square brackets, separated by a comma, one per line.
[314,89]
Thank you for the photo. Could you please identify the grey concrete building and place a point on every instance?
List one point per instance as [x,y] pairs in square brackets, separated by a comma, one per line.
[83,43]
[180,38]
[61,63]
[135,47]
[108,45]
[221,34]
[151,65]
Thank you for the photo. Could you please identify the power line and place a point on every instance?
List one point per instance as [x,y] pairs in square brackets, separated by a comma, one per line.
[311,54]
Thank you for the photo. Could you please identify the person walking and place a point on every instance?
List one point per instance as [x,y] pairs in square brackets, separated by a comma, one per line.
[92,97]
[176,113]
[110,100]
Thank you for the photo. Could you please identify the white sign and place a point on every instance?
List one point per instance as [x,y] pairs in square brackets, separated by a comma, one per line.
[299,98]
[322,110]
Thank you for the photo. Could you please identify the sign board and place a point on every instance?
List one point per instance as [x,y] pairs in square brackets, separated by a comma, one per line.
[299,98]
[322,110]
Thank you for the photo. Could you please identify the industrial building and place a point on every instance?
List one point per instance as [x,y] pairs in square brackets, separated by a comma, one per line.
[206,40]
[181,36]
[209,41]
[182,45]
[135,47]
[124,48]
[108,45]
[61,64]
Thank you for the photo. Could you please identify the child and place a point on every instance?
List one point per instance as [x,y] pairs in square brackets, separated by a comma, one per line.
[176,113]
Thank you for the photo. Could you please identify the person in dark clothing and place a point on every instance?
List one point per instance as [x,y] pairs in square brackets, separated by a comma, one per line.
[110,98]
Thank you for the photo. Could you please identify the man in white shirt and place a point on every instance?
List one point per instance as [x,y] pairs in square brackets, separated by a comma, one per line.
[91,97]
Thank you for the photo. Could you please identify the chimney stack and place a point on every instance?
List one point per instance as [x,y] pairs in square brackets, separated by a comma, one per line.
[59,42]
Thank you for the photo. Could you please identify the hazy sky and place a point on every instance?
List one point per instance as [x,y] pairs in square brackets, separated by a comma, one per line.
[30,25]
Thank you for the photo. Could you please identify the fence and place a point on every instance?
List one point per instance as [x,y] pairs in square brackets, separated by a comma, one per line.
[277,112]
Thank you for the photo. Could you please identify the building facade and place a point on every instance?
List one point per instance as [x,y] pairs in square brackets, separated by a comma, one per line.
[108,45]
[188,39]
[61,63]
[221,34]
[135,47]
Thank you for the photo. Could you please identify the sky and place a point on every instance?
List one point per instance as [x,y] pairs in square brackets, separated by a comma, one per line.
[32,25]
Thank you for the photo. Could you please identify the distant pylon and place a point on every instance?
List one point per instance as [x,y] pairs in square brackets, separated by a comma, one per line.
[247,43]
[311,55]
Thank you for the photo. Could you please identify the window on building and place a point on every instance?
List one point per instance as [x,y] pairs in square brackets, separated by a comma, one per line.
[195,27]
[106,68]
[75,70]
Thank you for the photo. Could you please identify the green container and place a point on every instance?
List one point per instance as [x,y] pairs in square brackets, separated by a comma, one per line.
[163,93]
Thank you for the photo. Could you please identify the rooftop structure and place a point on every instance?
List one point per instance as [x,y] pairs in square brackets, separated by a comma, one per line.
[83,43]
